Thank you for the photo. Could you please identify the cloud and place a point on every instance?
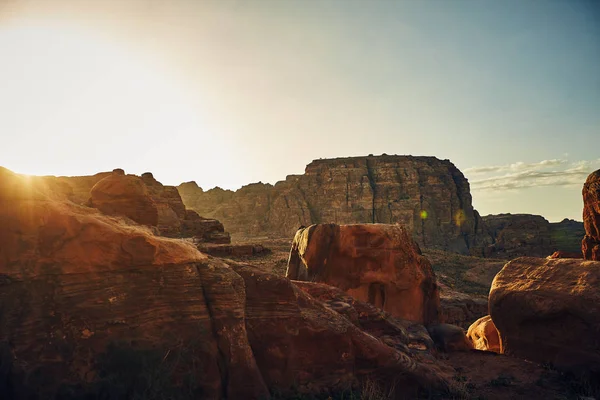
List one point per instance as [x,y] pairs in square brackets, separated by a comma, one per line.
[518,166]
[522,175]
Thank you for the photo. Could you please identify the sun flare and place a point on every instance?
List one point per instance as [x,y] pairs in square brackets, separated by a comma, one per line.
[76,87]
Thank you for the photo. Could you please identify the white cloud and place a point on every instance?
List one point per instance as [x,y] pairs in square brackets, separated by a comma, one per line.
[521,175]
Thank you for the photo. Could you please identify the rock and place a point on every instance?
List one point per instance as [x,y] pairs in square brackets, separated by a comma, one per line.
[205,230]
[232,250]
[375,263]
[449,337]
[565,254]
[97,305]
[131,195]
[462,309]
[125,195]
[484,335]
[591,217]
[516,235]
[430,197]
[548,310]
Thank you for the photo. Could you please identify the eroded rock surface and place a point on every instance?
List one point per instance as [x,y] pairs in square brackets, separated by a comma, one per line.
[375,263]
[431,197]
[548,310]
[97,304]
[591,217]
[484,335]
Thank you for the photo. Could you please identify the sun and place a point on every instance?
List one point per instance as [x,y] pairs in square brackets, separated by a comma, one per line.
[71,95]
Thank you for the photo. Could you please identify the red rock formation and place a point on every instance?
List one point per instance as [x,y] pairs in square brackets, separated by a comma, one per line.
[484,335]
[448,337]
[429,196]
[126,195]
[142,199]
[548,310]
[375,263]
[96,304]
[591,217]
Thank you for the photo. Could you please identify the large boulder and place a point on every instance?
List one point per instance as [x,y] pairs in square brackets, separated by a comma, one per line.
[94,305]
[591,217]
[125,195]
[548,310]
[484,335]
[376,263]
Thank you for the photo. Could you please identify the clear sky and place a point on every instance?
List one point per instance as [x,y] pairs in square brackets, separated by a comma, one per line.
[232,92]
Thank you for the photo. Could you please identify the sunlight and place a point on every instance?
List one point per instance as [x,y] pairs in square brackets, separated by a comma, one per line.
[72,88]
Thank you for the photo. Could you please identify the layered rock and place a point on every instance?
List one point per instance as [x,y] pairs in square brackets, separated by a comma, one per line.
[97,304]
[548,310]
[516,235]
[591,217]
[429,196]
[484,335]
[141,199]
[126,195]
[375,263]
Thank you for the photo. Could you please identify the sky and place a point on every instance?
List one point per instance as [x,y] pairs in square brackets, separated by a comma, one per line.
[227,93]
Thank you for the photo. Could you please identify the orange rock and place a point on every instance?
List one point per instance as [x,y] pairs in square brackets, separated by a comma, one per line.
[484,335]
[591,217]
[376,263]
[548,310]
[126,195]
[92,303]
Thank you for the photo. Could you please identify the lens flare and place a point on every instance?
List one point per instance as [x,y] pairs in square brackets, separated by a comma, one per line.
[460,218]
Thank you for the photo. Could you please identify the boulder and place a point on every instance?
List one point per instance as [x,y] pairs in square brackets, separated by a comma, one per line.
[448,337]
[97,306]
[461,309]
[125,195]
[591,217]
[484,335]
[548,310]
[376,263]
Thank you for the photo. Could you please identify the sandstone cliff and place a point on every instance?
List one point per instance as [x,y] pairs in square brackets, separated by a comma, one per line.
[590,245]
[96,306]
[429,196]
[142,199]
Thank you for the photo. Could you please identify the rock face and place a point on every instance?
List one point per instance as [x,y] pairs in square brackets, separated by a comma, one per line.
[375,263]
[484,335]
[126,195]
[96,304]
[591,217]
[429,196]
[548,310]
[516,235]
[141,199]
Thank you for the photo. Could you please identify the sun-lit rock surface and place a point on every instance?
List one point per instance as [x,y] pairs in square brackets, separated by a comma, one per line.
[375,263]
[431,197]
[548,310]
[591,217]
[97,304]
[484,335]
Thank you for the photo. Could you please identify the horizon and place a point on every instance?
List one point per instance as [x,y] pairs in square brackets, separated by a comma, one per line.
[229,93]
